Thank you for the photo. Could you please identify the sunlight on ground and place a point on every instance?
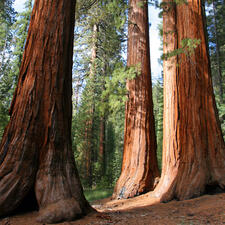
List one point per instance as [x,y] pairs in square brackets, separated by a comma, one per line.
[107,205]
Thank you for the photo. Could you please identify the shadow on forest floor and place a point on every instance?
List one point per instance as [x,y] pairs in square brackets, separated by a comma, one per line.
[144,210]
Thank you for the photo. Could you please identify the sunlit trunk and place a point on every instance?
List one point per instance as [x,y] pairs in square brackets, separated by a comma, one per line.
[193,146]
[139,168]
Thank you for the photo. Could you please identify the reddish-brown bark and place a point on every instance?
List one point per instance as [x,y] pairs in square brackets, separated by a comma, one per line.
[139,168]
[36,146]
[193,146]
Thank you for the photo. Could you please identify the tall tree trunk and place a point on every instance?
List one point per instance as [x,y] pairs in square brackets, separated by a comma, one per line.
[139,167]
[193,146]
[36,147]
[102,138]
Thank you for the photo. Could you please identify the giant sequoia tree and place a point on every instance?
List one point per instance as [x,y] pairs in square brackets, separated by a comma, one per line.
[193,146]
[139,168]
[36,146]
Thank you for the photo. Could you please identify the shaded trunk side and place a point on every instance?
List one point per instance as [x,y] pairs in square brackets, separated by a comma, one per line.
[193,146]
[139,167]
[36,146]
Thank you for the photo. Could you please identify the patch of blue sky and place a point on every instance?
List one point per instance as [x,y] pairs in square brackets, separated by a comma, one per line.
[155,42]
[19,5]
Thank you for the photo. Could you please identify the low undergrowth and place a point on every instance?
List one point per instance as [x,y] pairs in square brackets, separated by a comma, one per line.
[96,194]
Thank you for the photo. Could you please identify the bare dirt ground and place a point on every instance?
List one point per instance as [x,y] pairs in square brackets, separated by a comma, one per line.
[144,210]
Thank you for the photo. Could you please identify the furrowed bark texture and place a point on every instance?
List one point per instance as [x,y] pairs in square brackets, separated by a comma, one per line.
[36,146]
[139,167]
[193,146]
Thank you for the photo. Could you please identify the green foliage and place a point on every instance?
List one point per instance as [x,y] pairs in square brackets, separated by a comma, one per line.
[141,4]
[102,92]
[216,38]
[188,47]
[13,32]
[221,112]
[114,145]
[96,194]
[20,28]
[157,93]
[115,88]
[7,17]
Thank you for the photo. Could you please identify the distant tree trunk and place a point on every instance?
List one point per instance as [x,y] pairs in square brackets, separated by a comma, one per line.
[139,167]
[89,127]
[193,146]
[36,150]
[102,138]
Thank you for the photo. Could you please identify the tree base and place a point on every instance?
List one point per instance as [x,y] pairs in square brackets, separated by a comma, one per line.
[175,190]
[63,210]
[133,189]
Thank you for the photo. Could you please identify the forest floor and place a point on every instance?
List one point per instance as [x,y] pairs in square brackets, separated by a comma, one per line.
[144,210]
